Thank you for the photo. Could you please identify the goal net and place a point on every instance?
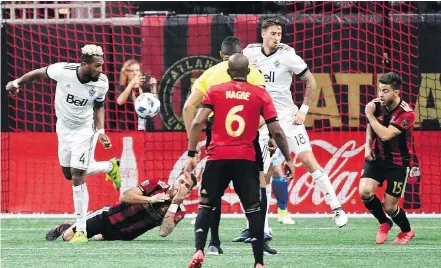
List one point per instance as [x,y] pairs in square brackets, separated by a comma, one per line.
[346,44]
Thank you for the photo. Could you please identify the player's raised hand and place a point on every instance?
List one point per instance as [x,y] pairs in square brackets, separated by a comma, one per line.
[289,170]
[159,198]
[370,108]
[105,141]
[12,88]
[180,195]
[299,118]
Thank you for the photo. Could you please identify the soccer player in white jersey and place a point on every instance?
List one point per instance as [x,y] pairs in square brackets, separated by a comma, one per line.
[79,106]
[279,62]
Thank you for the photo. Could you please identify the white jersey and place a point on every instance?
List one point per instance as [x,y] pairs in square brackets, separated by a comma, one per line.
[74,101]
[278,68]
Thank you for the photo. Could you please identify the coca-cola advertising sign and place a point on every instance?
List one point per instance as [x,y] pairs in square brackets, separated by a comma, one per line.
[35,183]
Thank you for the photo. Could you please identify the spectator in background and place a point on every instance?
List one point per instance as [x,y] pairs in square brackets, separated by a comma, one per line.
[133,81]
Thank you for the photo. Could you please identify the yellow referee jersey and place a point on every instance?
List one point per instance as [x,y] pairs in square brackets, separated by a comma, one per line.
[217,74]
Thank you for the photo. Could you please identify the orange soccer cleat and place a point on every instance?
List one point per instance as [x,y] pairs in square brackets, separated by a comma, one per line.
[197,260]
[383,231]
[404,238]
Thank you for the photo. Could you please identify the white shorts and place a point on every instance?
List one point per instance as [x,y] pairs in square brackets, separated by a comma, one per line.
[298,139]
[76,146]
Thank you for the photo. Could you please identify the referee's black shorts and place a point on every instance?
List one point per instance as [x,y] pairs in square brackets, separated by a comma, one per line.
[259,160]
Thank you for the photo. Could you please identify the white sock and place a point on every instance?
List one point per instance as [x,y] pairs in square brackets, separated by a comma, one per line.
[81,203]
[99,167]
[323,182]
[268,200]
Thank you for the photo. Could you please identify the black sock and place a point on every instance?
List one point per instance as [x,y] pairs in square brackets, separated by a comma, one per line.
[201,226]
[400,218]
[373,204]
[214,225]
[256,232]
[263,203]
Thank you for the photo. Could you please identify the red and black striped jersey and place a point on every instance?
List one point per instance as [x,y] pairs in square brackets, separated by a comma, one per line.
[398,150]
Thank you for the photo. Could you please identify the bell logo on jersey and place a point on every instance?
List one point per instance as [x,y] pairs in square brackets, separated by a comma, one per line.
[271,77]
[76,101]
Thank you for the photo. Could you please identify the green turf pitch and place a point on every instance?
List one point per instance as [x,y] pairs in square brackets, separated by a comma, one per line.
[308,243]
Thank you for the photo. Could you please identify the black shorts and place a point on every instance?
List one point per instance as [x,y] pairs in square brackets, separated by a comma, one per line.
[395,176]
[96,222]
[259,160]
[244,174]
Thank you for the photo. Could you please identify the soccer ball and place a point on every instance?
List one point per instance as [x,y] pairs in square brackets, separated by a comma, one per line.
[147,105]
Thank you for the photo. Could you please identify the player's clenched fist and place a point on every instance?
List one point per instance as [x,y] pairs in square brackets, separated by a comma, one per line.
[105,141]
[289,170]
[370,108]
[12,87]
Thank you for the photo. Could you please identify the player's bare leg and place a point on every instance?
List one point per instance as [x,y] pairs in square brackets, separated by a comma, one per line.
[322,180]
[81,203]
[367,188]
[59,230]
[398,215]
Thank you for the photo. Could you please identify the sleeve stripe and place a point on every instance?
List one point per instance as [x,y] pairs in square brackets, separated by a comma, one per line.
[302,72]
[398,127]
[206,105]
[271,120]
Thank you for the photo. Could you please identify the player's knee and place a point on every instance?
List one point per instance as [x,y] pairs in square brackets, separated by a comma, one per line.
[390,208]
[308,160]
[366,189]
[365,192]
[66,173]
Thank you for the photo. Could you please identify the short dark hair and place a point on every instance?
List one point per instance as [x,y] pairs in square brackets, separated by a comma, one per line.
[270,22]
[89,58]
[231,45]
[392,79]
[193,178]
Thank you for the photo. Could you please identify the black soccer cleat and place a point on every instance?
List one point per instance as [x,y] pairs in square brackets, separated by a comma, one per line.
[267,237]
[53,234]
[268,251]
[243,236]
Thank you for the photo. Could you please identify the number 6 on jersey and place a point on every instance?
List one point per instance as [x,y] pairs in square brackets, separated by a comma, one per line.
[233,117]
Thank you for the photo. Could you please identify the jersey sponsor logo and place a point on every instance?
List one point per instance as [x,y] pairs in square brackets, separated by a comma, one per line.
[271,77]
[75,100]
[176,82]
[277,63]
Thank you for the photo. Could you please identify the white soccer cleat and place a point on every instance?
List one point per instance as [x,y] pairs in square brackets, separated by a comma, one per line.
[286,220]
[340,217]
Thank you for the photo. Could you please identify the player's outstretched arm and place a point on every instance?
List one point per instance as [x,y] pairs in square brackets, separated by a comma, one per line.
[14,86]
[190,107]
[197,125]
[135,196]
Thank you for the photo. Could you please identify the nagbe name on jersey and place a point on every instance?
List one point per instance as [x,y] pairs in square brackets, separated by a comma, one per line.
[240,95]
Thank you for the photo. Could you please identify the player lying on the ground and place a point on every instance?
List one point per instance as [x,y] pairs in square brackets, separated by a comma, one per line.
[142,208]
